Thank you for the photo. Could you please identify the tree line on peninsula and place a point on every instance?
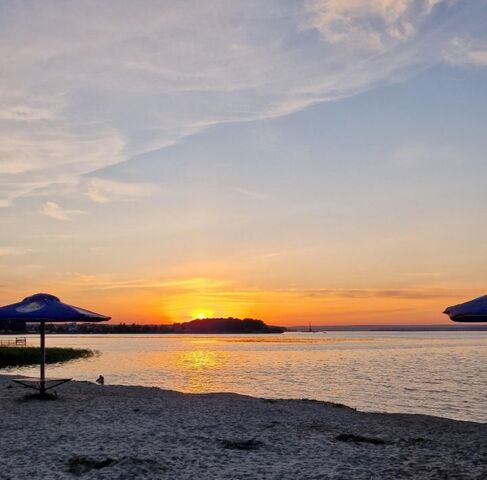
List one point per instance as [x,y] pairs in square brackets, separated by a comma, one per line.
[204,326]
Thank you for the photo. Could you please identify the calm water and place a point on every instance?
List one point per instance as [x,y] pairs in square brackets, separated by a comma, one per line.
[437,373]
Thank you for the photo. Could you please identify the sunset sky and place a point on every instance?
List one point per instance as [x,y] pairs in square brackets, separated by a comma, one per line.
[293,161]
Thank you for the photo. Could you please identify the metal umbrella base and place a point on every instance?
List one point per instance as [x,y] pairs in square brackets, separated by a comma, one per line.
[42,386]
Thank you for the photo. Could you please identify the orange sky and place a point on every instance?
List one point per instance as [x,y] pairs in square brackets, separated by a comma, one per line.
[312,161]
[185,299]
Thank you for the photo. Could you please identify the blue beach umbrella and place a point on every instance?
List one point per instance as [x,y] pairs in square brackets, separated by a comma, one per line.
[43,308]
[473,311]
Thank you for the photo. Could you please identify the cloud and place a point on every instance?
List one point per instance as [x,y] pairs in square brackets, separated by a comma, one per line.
[97,83]
[407,294]
[436,157]
[26,113]
[53,210]
[180,285]
[247,192]
[461,51]
[31,160]
[272,254]
[369,24]
[42,150]
[102,190]
[8,251]
[224,288]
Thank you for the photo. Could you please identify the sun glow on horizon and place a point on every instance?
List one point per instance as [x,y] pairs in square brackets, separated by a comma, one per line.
[201,314]
[281,164]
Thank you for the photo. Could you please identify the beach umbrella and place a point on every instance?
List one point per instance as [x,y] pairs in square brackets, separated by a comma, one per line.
[473,311]
[43,308]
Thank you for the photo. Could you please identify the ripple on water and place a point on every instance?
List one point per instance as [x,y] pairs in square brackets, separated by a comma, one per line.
[437,373]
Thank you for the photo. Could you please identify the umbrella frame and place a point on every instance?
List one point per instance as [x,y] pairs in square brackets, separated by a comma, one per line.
[42,330]
[42,383]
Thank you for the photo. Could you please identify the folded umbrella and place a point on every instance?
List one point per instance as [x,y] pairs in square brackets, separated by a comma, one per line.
[472,311]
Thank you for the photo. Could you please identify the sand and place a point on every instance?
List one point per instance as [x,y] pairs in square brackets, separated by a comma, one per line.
[117,432]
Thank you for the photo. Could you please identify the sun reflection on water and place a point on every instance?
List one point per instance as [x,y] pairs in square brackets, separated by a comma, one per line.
[199,360]
[290,340]
[200,370]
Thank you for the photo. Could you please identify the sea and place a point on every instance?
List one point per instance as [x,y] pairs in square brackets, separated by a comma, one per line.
[433,373]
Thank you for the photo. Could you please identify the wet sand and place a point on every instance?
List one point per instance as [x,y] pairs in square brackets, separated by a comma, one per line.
[116,432]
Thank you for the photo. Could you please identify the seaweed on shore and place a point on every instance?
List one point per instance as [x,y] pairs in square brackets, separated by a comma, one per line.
[351,437]
[251,444]
[79,465]
[132,467]
[41,396]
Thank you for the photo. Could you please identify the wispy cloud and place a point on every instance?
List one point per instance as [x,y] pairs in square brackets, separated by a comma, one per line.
[103,282]
[32,160]
[272,254]
[8,251]
[54,210]
[102,190]
[119,79]
[461,51]
[369,24]
[217,288]
[247,192]
[405,294]
[425,155]
[25,113]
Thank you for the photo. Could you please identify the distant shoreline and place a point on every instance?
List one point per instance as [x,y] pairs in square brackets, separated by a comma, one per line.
[391,328]
[229,325]
[145,329]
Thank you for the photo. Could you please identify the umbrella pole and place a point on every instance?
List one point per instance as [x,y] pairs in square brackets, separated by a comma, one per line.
[42,389]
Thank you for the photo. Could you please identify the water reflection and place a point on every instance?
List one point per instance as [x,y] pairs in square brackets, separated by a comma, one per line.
[289,340]
[198,371]
[198,360]
[433,373]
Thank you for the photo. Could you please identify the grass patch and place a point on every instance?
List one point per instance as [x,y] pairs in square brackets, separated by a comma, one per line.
[21,356]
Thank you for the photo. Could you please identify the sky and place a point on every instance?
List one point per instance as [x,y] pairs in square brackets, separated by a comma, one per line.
[316,161]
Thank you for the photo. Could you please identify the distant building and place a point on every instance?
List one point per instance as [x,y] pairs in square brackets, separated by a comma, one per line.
[72,327]
[12,326]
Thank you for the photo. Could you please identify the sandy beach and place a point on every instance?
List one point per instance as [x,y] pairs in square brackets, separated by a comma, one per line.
[117,432]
